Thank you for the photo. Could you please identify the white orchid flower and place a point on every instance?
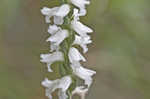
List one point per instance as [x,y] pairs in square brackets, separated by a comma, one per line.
[74,55]
[80,28]
[61,36]
[61,84]
[53,29]
[81,4]
[83,73]
[82,41]
[49,59]
[58,12]
[58,37]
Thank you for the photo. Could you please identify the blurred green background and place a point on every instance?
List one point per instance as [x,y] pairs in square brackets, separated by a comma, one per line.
[120,52]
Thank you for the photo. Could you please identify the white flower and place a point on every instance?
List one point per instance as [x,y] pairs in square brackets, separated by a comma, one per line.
[82,41]
[49,12]
[78,27]
[58,20]
[81,29]
[81,91]
[63,10]
[83,73]
[81,5]
[58,37]
[51,58]
[74,55]
[61,13]
[58,12]
[61,84]
[53,29]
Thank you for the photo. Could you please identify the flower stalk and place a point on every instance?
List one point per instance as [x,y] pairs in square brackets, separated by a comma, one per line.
[67,32]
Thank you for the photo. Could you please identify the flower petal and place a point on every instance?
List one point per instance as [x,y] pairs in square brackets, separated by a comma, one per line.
[51,58]
[82,41]
[63,10]
[58,37]
[58,20]
[83,73]
[74,55]
[80,3]
[81,29]
[48,13]
[53,29]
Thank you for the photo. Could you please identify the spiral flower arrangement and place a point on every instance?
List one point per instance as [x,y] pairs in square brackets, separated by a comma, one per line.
[67,34]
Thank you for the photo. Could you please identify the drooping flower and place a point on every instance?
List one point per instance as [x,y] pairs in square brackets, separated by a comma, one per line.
[58,12]
[77,26]
[81,4]
[49,59]
[75,56]
[58,37]
[48,13]
[61,84]
[82,41]
[81,29]
[63,10]
[83,73]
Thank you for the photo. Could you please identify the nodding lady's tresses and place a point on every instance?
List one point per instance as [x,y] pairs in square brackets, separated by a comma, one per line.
[67,34]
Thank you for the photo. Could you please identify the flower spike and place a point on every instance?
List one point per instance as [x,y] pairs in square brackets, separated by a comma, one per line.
[66,31]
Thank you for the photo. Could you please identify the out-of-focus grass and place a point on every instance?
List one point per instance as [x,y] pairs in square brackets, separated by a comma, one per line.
[119,53]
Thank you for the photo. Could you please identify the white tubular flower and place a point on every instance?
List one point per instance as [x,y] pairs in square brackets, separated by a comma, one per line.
[78,27]
[53,29]
[58,12]
[49,59]
[75,56]
[82,41]
[61,84]
[81,5]
[61,13]
[63,10]
[81,91]
[58,37]
[83,73]
[81,29]
[48,13]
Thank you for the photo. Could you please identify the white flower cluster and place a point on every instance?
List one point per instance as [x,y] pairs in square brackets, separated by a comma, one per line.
[58,36]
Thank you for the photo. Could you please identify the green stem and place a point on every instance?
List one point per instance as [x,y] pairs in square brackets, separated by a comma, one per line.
[65,68]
